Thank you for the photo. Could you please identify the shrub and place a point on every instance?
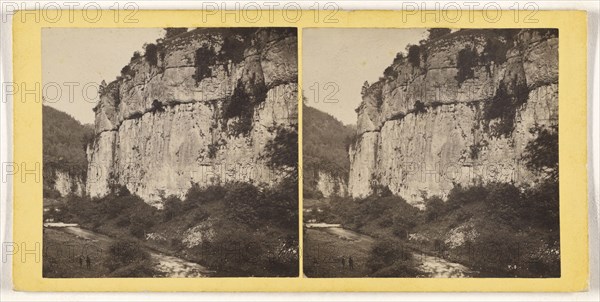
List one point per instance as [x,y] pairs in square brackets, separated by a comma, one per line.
[174,31]
[420,107]
[541,153]
[125,252]
[385,253]
[157,107]
[127,71]
[390,73]
[136,55]
[204,58]
[241,199]
[118,190]
[282,150]
[503,106]
[414,53]
[197,195]
[435,207]
[494,51]
[435,33]
[172,207]
[151,54]
[399,58]
[233,49]
[212,150]
[465,61]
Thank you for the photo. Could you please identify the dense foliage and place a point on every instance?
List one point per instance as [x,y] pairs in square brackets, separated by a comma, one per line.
[466,60]
[414,55]
[282,151]
[435,33]
[325,147]
[65,140]
[541,153]
[174,31]
[500,217]
[261,223]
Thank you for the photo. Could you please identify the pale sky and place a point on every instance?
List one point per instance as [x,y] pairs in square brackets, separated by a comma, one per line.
[346,58]
[81,58]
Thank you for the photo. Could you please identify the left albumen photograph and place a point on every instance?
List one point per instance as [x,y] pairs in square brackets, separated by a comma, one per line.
[170,152]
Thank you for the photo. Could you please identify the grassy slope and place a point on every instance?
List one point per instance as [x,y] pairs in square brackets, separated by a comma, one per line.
[323,251]
[61,252]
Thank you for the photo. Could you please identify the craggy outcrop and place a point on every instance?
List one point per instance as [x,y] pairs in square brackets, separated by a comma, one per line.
[331,185]
[68,184]
[199,107]
[458,113]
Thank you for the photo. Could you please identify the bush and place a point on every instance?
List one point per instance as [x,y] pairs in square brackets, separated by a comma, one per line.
[282,150]
[414,53]
[174,31]
[399,58]
[435,33]
[239,106]
[494,51]
[127,71]
[172,207]
[204,59]
[541,153]
[387,253]
[198,196]
[151,54]
[435,207]
[233,48]
[390,73]
[125,252]
[241,199]
[157,107]
[465,61]
[420,107]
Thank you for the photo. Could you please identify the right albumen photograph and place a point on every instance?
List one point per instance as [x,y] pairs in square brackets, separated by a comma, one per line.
[430,153]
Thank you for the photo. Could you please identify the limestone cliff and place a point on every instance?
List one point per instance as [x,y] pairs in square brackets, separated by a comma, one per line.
[457,110]
[331,185]
[67,184]
[199,107]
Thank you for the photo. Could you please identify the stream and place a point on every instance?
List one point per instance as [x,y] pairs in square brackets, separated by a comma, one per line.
[172,267]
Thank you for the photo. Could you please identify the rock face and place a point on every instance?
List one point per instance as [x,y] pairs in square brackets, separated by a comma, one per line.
[68,184]
[426,126]
[330,185]
[199,107]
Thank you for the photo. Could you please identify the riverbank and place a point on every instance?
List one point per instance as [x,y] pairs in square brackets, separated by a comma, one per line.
[326,245]
[65,246]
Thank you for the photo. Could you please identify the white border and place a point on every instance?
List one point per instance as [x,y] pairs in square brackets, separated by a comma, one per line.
[591,6]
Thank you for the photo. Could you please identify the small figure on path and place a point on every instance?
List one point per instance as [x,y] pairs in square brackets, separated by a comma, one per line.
[351,263]
[88,261]
[343,262]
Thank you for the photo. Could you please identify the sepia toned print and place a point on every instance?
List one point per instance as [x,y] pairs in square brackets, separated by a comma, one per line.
[185,165]
[431,153]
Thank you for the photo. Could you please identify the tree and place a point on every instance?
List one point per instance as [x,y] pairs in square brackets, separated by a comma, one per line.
[465,61]
[283,149]
[435,207]
[435,33]
[174,31]
[541,153]
[364,88]
[414,53]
